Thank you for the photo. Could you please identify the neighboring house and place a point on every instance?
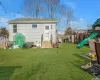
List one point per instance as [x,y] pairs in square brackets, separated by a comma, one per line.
[80,31]
[34,30]
[60,37]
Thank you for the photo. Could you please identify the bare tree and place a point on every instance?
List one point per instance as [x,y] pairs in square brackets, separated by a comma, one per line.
[66,13]
[60,11]
[4,31]
[69,16]
[68,31]
[33,7]
[52,6]
[49,9]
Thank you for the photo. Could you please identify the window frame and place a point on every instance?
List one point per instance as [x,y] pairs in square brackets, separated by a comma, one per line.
[34,25]
[47,27]
[15,28]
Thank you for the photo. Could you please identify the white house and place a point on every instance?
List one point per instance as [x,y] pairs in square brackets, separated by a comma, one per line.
[35,30]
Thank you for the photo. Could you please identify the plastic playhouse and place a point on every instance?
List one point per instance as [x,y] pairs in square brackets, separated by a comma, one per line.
[18,41]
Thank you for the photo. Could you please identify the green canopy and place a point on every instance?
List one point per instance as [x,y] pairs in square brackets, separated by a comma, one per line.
[96,23]
[19,40]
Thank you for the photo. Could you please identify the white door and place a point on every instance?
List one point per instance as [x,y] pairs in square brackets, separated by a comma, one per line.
[46,33]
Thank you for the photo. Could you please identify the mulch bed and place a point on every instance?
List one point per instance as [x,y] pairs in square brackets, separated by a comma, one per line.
[94,69]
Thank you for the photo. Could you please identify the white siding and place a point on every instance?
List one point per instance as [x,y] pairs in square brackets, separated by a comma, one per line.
[32,34]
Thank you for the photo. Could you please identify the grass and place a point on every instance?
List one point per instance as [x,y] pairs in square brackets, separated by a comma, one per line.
[43,64]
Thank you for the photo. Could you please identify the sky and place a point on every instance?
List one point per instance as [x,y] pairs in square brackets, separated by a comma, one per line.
[85,11]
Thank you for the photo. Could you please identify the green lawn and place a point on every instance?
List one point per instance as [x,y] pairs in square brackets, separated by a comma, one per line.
[43,64]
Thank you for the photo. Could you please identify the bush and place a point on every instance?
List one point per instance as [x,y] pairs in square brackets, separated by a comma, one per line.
[55,45]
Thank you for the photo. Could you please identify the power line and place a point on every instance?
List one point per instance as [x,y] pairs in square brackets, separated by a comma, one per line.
[3,7]
[8,12]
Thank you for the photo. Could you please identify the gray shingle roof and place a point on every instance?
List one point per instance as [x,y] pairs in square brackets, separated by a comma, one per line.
[32,20]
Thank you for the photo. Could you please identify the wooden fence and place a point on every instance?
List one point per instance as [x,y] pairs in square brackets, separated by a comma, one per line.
[3,41]
[75,38]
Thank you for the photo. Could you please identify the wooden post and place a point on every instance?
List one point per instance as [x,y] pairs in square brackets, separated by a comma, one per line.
[97,48]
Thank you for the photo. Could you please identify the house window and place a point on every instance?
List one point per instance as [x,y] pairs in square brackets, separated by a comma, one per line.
[46,27]
[34,25]
[14,28]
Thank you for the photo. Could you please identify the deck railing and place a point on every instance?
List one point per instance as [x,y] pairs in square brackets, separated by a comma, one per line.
[51,39]
[41,39]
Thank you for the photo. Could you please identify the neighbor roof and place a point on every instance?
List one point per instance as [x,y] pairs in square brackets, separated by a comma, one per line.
[33,20]
[96,23]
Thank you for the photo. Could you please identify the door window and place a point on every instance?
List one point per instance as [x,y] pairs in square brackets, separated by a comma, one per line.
[46,27]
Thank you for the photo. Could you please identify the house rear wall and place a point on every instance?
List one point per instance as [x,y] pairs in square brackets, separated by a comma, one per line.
[32,34]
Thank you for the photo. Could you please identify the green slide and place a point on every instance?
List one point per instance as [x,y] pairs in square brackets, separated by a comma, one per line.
[81,44]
